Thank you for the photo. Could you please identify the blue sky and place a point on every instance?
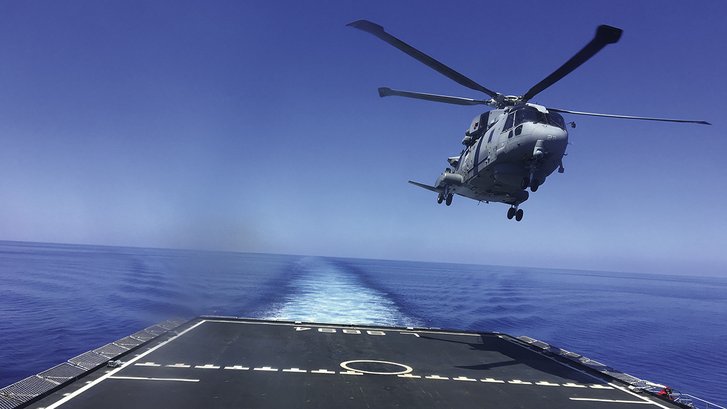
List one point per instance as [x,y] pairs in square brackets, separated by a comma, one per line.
[255,126]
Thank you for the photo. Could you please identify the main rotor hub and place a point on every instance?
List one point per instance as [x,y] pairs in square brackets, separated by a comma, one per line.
[510,100]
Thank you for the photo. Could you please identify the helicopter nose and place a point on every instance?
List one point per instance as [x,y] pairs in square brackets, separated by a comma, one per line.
[556,135]
[552,139]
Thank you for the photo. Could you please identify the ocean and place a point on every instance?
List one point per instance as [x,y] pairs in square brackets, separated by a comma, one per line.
[57,301]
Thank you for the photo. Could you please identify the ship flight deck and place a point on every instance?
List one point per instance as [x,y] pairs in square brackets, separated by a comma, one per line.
[239,363]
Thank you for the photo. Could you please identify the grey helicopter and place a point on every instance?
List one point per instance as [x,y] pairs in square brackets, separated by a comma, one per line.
[513,147]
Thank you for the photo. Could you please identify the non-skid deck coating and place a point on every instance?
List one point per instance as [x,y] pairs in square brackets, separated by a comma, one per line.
[227,363]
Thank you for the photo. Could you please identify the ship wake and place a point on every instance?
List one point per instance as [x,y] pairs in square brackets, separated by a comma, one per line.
[327,293]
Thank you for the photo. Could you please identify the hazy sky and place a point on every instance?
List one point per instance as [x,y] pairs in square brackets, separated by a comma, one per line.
[256,126]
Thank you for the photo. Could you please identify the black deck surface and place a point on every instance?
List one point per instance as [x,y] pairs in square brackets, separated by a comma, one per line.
[226,363]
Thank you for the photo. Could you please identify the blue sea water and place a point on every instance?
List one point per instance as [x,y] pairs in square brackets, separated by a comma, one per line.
[57,301]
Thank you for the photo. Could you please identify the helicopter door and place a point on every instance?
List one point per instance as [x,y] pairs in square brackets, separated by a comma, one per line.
[468,159]
[489,146]
[504,132]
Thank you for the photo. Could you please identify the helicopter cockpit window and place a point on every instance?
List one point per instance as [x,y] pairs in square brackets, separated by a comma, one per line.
[530,114]
[556,120]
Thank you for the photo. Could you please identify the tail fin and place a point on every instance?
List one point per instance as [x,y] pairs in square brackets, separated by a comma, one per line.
[422,185]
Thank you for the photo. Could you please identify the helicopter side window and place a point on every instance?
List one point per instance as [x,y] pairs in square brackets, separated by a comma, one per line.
[508,122]
[485,120]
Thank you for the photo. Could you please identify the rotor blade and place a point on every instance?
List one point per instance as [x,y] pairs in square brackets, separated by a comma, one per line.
[378,31]
[387,92]
[643,118]
[604,35]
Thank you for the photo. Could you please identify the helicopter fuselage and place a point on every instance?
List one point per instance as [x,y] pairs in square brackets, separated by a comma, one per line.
[506,151]
[513,147]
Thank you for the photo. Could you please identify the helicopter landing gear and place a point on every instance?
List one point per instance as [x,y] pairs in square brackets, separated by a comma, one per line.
[448,200]
[516,213]
[534,185]
[525,183]
[440,198]
[531,181]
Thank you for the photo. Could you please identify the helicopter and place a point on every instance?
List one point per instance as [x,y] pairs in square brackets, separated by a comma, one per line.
[513,147]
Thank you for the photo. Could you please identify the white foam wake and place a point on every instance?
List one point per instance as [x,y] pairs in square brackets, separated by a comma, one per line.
[325,293]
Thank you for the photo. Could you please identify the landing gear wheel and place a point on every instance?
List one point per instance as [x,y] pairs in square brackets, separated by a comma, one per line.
[511,213]
[534,185]
[440,198]
[525,183]
[448,201]
[519,214]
